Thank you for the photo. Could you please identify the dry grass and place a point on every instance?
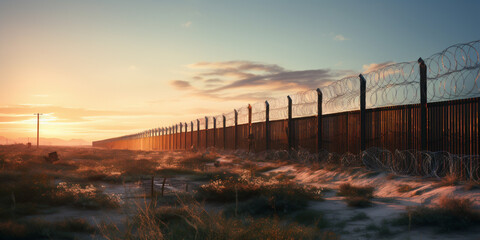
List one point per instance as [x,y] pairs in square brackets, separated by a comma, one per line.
[245,187]
[448,180]
[450,214]
[403,188]
[191,221]
[356,196]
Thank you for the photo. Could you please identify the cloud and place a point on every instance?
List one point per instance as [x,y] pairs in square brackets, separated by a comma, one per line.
[187,24]
[180,84]
[375,66]
[339,38]
[246,80]
[22,113]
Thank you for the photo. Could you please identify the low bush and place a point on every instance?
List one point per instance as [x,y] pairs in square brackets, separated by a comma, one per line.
[191,221]
[246,187]
[356,196]
[450,214]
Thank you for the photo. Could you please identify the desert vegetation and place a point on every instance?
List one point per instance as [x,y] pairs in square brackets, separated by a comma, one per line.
[118,194]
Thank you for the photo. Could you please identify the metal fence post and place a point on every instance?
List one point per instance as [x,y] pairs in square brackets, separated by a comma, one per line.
[206,132]
[170,138]
[175,137]
[164,138]
[214,131]
[319,119]
[250,134]
[267,125]
[198,134]
[236,130]
[423,104]
[180,135]
[363,87]
[191,134]
[185,139]
[224,133]
[290,125]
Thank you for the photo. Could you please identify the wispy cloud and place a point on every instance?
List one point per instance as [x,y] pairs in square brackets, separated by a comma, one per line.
[187,24]
[340,38]
[375,66]
[180,84]
[246,80]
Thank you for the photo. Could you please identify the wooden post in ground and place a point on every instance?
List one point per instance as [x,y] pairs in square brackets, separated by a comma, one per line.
[163,184]
[151,190]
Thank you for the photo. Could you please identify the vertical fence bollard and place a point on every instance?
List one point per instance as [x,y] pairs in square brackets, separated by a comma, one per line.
[423,104]
[267,125]
[236,129]
[319,119]
[214,131]
[206,132]
[198,134]
[224,133]
[164,145]
[250,134]
[180,137]
[186,129]
[191,134]
[290,125]
[363,94]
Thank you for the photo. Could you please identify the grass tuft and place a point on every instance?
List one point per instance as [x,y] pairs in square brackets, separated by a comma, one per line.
[450,214]
[356,196]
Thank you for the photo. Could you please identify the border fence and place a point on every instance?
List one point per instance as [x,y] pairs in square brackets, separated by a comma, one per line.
[428,105]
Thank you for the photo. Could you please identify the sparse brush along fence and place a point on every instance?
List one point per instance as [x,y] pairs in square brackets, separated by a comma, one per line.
[432,105]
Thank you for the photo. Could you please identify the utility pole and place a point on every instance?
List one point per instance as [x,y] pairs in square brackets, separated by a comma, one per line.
[38,126]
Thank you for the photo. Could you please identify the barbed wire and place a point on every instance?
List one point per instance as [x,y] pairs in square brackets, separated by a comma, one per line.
[400,162]
[452,74]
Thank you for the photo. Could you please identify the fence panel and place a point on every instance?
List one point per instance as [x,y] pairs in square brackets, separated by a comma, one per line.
[278,134]
[259,140]
[242,138]
[230,137]
[306,133]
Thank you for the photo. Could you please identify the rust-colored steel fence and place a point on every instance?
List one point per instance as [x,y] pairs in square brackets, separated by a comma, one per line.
[430,105]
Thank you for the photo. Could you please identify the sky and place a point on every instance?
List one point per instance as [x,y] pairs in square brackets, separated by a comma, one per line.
[100,69]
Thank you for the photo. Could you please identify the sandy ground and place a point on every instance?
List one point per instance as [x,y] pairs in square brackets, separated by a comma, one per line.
[387,204]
